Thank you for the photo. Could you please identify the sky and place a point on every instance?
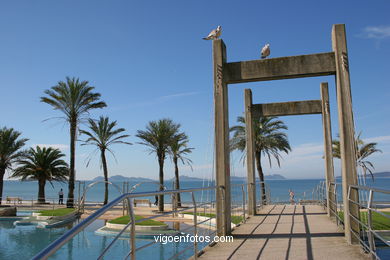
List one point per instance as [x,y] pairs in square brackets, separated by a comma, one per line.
[148,61]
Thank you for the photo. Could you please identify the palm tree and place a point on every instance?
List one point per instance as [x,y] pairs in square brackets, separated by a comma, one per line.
[158,137]
[362,152]
[74,98]
[178,149]
[42,164]
[269,141]
[10,145]
[102,134]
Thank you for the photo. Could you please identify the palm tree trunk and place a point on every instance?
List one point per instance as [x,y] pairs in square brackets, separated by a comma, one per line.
[105,172]
[2,172]
[73,129]
[161,179]
[177,181]
[261,176]
[41,191]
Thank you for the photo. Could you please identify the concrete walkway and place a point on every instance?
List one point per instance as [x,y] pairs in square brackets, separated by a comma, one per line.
[286,232]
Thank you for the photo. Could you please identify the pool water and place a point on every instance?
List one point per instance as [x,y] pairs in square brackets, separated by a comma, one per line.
[23,242]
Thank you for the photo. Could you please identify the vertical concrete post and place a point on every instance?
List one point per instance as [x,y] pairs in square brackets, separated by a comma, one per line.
[347,131]
[222,153]
[329,175]
[250,153]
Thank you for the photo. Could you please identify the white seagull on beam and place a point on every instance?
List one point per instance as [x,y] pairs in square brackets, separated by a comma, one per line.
[214,34]
[266,51]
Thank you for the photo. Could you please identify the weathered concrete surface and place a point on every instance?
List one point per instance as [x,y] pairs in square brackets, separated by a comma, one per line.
[320,64]
[346,130]
[222,152]
[250,153]
[288,108]
[328,151]
[288,232]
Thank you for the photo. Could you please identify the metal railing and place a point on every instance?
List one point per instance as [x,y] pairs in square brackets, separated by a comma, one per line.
[129,197]
[335,208]
[368,236]
[367,230]
[33,203]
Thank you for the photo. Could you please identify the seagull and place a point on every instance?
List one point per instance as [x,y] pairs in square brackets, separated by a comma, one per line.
[266,51]
[214,34]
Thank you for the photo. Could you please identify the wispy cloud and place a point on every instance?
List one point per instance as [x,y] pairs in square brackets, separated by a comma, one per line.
[155,101]
[198,167]
[378,139]
[184,94]
[376,32]
[307,149]
[56,146]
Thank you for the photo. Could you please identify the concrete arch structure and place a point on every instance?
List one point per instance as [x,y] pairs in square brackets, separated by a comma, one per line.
[312,65]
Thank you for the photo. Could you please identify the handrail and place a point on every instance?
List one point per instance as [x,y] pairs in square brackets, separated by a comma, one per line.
[57,244]
[366,228]
[81,204]
[369,189]
[54,246]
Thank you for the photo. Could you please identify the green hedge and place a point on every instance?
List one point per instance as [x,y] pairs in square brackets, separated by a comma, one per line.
[126,219]
[57,212]
[379,222]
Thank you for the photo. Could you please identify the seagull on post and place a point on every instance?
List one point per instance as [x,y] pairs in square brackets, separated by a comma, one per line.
[214,34]
[266,51]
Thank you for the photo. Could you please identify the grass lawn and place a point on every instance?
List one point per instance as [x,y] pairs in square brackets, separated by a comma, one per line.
[234,219]
[126,219]
[57,212]
[379,222]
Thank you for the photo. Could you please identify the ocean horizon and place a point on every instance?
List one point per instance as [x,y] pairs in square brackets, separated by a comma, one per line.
[279,189]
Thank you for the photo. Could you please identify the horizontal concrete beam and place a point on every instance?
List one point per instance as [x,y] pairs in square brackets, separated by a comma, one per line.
[288,108]
[321,64]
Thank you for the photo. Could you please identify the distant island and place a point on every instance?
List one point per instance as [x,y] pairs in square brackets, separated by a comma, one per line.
[382,174]
[266,177]
[183,178]
[120,178]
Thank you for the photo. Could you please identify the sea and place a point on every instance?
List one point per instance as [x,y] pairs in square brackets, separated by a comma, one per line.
[279,190]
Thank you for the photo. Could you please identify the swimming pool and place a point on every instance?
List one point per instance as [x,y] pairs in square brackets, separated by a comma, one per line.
[23,242]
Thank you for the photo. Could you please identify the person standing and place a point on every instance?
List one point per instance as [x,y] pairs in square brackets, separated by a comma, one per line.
[292,196]
[61,197]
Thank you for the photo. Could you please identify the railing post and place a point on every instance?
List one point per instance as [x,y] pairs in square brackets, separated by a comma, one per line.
[123,204]
[371,239]
[195,226]
[79,194]
[336,204]
[243,203]
[132,229]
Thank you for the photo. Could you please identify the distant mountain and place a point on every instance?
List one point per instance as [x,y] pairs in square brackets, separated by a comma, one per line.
[274,177]
[183,178]
[382,174]
[187,178]
[120,178]
[266,177]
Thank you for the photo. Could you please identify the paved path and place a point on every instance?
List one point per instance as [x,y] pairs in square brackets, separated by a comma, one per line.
[286,232]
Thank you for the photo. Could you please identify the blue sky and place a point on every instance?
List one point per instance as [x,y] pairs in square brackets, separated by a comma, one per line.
[148,61]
